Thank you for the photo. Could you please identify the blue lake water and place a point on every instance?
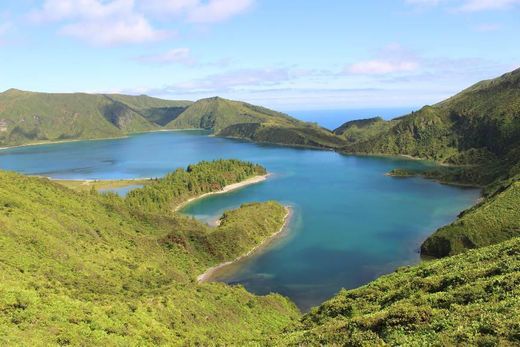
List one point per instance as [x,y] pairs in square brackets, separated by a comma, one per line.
[351,223]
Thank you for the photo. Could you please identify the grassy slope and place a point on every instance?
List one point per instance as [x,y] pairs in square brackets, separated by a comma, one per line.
[494,220]
[37,117]
[468,300]
[81,268]
[88,185]
[34,117]
[217,114]
[477,126]
[158,111]
[89,269]
[361,130]
[236,119]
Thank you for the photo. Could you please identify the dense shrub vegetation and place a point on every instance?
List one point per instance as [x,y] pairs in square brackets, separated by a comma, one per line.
[90,269]
[164,194]
[494,220]
[34,117]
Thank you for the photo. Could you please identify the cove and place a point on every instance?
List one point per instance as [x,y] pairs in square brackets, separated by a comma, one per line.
[351,223]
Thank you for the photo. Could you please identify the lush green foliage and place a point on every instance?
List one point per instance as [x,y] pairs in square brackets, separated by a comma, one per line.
[217,114]
[236,119]
[31,117]
[479,125]
[307,135]
[27,117]
[158,111]
[165,194]
[494,220]
[362,129]
[471,299]
[89,269]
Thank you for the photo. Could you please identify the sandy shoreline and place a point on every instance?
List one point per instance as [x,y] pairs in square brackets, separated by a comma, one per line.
[206,276]
[226,189]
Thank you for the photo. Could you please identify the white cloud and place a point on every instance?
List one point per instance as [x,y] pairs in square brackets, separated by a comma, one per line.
[167,7]
[218,10]
[391,59]
[482,5]
[378,67]
[110,22]
[132,29]
[55,10]
[99,22]
[467,5]
[174,56]
[234,79]
[197,11]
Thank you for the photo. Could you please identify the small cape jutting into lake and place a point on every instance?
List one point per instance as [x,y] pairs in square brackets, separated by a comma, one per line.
[226,189]
[207,275]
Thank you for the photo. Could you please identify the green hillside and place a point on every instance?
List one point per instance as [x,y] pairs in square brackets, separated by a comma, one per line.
[28,117]
[89,269]
[217,114]
[494,220]
[466,300]
[362,129]
[241,120]
[158,111]
[477,126]
[33,117]
[306,135]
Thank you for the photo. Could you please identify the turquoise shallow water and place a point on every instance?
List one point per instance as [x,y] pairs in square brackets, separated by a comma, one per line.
[351,223]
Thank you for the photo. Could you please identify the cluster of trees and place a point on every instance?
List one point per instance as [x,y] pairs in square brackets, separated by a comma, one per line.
[165,193]
[81,268]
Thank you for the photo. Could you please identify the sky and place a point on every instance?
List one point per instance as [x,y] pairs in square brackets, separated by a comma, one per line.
[288,55]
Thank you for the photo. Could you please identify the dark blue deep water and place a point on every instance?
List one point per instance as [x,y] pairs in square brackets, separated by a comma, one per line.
[351,223]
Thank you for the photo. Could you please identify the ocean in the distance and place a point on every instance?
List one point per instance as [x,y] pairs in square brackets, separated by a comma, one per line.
[331,119]
[351,223]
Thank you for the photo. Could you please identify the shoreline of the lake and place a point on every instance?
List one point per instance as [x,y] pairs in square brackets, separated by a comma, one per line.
[40,143]
[99,185]
[207,275]
[226,189]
